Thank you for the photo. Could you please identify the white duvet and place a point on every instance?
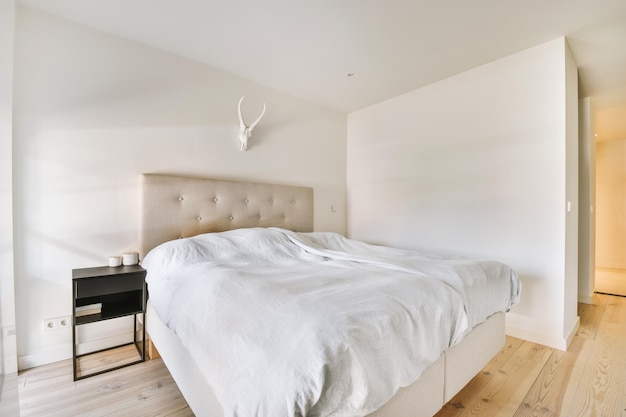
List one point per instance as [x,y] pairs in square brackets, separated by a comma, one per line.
[314,324]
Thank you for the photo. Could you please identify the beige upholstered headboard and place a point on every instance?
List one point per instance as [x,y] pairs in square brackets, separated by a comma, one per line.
[173,207]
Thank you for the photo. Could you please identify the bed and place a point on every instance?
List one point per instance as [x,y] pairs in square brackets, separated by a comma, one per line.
[202,210]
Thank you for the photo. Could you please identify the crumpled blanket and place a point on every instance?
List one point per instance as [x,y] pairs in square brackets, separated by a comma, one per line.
[314,324]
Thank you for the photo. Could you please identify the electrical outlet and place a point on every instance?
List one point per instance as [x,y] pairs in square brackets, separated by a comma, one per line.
[57,323]
[8,331]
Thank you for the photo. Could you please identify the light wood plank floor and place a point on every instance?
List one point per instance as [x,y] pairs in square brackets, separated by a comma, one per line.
[524,379]
[611,281]
[145,389]
[527,379]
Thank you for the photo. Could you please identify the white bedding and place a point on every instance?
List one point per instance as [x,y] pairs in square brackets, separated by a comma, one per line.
[287,324]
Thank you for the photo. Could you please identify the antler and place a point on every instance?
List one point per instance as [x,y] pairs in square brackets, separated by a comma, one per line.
[245,131]
[242,123]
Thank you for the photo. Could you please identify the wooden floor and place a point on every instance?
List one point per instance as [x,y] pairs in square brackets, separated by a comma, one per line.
[524,379]
[145,389]
[527,379]
[611,281]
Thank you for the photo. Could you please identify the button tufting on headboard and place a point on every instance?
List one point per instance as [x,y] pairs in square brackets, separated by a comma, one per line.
[241,204]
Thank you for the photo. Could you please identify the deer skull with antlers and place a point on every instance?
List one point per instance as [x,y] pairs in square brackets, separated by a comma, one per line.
[245,131]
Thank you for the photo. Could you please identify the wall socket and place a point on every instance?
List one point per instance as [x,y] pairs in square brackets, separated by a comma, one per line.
[57,323]
[8,331]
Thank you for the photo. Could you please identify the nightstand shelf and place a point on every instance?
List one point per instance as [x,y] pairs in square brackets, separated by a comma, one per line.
[108,293]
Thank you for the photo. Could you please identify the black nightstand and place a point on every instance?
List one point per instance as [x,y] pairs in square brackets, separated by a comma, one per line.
[104,293]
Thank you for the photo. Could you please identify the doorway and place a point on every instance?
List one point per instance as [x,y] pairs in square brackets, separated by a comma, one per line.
[610,255]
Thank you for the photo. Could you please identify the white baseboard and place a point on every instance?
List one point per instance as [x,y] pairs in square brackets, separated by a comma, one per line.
[44,358]
[559,343]
[65,352]
[572,332]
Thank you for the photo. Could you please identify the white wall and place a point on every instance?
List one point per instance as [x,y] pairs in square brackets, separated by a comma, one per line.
[570,318]
[587,220]
[610,125]
[476,165]
[93,111]
[8,358]
[611,204]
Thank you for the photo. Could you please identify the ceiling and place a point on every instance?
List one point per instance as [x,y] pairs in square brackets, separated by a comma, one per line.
[309,48]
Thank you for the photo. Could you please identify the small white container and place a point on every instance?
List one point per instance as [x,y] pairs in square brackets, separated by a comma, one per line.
[130,258]
[115,261]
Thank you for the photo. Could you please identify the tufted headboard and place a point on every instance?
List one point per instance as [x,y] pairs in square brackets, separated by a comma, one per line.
[175,206]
